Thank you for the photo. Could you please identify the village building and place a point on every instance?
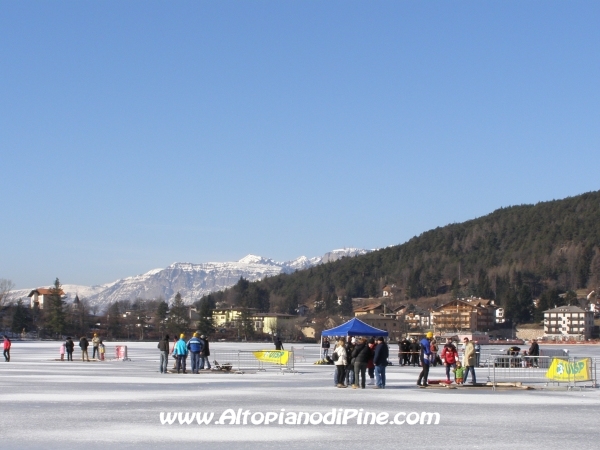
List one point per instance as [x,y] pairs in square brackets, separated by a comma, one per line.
[464,315]
[272,323]
[391,325]
[373,308]
[416,319]
[224,316]
[568,322]
[267,323]
[387,291]
[41,296]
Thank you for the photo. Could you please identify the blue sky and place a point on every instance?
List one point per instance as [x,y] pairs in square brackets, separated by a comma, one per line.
[137,134]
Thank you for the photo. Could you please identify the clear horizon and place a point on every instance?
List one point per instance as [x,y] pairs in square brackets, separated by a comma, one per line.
[140,134]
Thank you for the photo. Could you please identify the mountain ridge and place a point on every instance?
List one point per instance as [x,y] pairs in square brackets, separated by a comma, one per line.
[191,280]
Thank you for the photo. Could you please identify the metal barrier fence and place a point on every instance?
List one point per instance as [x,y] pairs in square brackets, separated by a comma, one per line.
[242,361]
[536,369]
[300,353]
[486,355]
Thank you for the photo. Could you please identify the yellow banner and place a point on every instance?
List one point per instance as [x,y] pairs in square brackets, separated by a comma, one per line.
[563,370]
[276,357]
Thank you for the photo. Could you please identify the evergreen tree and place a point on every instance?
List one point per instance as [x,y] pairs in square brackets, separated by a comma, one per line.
[319,303]
[205,322]
[251,295]
[113,320]
[162,310]
[525,304]
[245,325]
[331,305]
[484,287]
[20,320]
[55,312]
[179,318]
[584,266]
[455,288]
[571,298]
[548,300]
[346,306]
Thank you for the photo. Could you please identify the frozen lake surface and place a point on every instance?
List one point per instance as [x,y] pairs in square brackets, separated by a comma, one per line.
[48,404]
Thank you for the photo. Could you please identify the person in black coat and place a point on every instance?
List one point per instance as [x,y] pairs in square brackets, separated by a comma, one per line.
[415,350]
[534,350]
[84,344]
[205,353]
[349,376]
[361,355]
[380,359]
[404,352]
[69,347]
[163,346]
[278,344]
[325,346]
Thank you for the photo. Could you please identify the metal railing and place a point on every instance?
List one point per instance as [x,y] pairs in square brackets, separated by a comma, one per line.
[300,353]
[545,370]
[242,361]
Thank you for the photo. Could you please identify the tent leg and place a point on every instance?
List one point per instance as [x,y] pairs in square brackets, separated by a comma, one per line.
[321,349]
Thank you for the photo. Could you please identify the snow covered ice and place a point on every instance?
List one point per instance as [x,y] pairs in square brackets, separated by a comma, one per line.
[49,404]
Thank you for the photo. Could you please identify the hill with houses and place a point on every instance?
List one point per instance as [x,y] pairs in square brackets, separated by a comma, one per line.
[522,259]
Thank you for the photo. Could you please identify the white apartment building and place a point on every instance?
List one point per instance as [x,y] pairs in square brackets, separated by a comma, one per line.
[568,321]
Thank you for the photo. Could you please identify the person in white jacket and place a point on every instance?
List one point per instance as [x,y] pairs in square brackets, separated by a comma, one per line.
[340,362]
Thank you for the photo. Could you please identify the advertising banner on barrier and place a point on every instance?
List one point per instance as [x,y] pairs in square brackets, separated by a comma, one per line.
[564,370]
[275,356]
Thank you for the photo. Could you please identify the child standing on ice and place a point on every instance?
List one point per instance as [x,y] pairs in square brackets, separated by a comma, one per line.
[459,373]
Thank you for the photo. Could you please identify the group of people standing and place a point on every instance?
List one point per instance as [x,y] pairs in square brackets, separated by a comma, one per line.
[450,359]
[69,346]
[197,347]
[354,357]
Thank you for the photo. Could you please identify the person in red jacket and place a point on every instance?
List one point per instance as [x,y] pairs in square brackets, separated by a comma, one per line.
[449,357]
[6,349]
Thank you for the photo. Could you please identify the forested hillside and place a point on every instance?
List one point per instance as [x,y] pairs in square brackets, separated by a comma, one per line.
[511,255]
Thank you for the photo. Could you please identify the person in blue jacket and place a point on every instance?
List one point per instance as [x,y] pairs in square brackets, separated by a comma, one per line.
[425,359]
[180,352]
[195,346]
[380,360]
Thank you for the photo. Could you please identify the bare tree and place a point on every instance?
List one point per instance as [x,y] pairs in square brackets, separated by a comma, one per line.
[5,287]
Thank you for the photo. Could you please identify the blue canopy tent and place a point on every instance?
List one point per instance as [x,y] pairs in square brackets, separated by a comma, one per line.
[354,327]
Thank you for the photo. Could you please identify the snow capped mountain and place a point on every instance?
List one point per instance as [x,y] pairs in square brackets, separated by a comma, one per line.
[193,281]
